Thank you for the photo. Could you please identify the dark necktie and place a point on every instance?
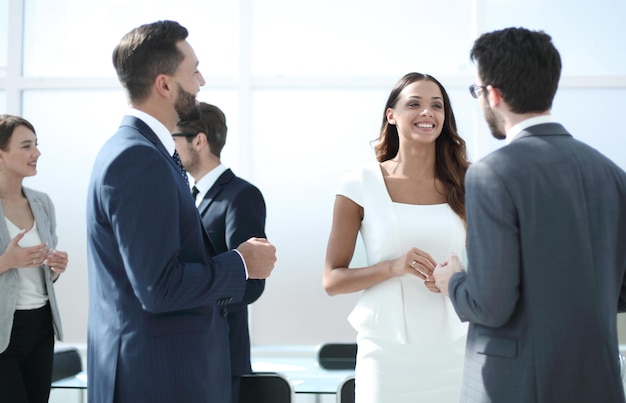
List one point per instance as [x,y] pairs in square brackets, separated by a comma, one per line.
[194,192]
[180,166]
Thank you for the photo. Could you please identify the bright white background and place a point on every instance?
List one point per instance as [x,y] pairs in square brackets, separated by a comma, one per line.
[303,84]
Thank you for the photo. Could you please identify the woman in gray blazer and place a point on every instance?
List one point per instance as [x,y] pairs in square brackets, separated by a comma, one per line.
[29,316]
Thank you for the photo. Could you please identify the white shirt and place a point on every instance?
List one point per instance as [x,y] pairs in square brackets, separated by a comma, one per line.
[32,293]
[207,181]
[525,124]
[157,127]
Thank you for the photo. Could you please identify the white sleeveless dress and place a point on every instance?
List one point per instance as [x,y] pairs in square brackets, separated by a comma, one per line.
[411,344]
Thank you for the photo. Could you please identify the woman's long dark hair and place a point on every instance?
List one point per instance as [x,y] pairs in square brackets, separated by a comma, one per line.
[451,160]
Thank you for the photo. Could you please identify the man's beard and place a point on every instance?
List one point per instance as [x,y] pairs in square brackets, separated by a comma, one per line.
[492,122]
[186,105]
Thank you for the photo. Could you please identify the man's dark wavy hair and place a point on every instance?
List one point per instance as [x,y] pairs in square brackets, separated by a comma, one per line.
[523,65]
[144,53]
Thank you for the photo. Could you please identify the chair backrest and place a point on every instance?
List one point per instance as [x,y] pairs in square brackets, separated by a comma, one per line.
[266,387]
[65,363]
[337,355]
[345,392]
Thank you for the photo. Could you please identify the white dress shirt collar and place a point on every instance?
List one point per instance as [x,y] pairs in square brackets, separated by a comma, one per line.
[207,181]
[516,130]
[157,127]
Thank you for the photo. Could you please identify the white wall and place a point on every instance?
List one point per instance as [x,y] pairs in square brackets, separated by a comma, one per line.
[303,85]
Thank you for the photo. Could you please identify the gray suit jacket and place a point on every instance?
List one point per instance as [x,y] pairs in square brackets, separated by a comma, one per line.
[545,278]
[43,210]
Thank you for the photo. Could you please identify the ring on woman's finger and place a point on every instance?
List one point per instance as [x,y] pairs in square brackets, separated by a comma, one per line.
[412,265]
[34,261]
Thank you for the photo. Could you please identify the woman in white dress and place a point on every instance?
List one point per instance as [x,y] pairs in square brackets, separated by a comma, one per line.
[409,208]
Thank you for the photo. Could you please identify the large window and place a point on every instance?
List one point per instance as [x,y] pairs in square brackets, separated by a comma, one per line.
[303,84]
[362,38]
[590,39]
[75,38]
[4,36]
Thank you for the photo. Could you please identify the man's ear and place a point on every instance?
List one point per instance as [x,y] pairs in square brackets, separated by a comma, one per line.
[162,85]
[200,141]
[493,96]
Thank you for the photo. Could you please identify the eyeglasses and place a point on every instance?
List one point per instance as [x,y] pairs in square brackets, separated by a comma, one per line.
[474,88]
[184,134]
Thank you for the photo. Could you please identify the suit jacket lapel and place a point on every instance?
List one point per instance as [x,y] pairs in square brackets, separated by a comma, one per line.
[5,237]
[150,135]
[217,187]
[41,217]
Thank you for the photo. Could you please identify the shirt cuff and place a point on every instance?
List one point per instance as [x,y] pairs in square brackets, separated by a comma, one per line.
[243,261]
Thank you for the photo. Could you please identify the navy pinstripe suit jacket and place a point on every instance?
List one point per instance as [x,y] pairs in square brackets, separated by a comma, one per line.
[155,331]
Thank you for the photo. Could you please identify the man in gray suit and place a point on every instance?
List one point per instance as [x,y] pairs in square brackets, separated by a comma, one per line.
[546,242]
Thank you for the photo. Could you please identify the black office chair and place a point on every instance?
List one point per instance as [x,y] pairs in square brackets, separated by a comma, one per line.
[66,363]
[266,387]
[345,392]
[337,355]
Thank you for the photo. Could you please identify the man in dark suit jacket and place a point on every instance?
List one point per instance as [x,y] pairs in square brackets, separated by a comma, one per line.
[232,211]
[546,242]
[155,331]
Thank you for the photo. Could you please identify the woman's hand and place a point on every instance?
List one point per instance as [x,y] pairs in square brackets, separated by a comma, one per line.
[16,256]
[415,262]
[57,261]
[418,263]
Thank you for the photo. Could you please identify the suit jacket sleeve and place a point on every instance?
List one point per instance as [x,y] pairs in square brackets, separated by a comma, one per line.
[159,236]
[488,295]
[622,297]
[245,218]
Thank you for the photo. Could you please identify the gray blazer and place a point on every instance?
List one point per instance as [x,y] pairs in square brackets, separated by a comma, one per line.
[43,210]
[545,279]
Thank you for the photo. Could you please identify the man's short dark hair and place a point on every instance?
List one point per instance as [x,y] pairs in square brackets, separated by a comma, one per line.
[144,53]
[212,122]
[524,65]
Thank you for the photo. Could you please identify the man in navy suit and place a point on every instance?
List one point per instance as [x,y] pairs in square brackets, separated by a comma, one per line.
[232,211]
[155,332]
[546,241]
